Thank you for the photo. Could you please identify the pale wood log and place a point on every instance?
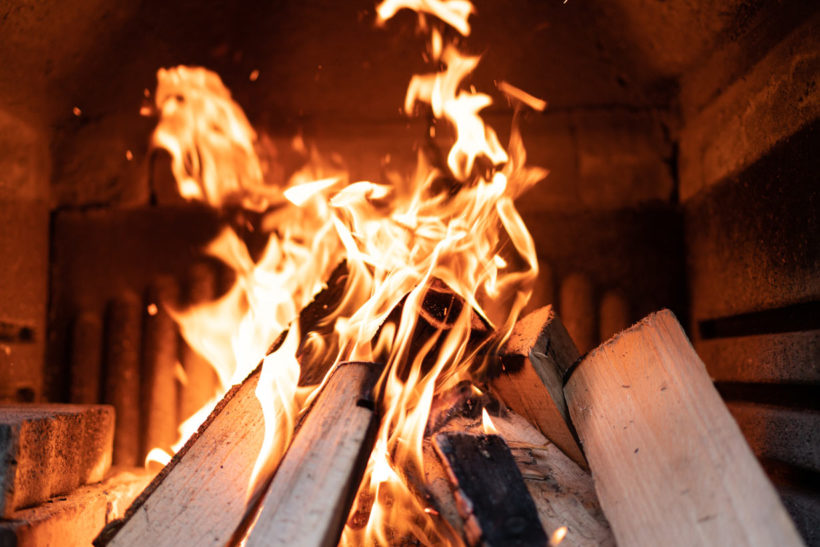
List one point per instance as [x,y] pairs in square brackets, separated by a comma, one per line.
[530,382]
[313,488]
[75,519]
[50,449]
[564,494]
[199,497]
[490,492]
[671,467]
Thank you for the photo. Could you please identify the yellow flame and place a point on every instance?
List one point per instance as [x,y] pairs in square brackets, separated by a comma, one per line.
[453,12]
[487,424]
[449,230]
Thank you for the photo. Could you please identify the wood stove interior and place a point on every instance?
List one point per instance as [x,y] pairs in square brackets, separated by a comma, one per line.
[681,141]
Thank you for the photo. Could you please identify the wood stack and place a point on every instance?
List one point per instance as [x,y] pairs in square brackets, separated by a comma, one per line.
[662,448]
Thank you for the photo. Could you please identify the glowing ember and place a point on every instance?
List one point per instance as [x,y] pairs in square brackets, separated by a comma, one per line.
[449,230]
[558,536]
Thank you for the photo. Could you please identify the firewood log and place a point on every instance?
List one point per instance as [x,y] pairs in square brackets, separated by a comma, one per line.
[530,378]
[491,495]
[199,497]
[670,465]
[313,488]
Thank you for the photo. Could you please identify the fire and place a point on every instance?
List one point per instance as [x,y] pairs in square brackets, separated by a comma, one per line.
[450,228]
[487,423]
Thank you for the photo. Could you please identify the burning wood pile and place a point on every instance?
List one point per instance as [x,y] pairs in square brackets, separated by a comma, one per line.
[400,399]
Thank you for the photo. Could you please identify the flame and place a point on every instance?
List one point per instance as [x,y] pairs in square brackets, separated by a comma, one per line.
[487,424]
[449,229]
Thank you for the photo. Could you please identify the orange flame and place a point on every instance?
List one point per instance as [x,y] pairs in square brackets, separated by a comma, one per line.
[451,228]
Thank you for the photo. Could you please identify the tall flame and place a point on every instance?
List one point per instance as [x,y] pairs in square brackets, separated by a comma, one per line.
[451,227]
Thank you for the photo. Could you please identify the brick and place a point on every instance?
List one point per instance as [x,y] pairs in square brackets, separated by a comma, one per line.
[46,450]
[75,519]
[770,358]
[775,99]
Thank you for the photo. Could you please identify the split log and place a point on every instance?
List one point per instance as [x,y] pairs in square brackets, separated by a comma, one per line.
[491,495]
[311,493]
[179,506]
[564,494]
[73,520]
[199,497]
[51,449]
[440,308]
[671,467]
[530,382]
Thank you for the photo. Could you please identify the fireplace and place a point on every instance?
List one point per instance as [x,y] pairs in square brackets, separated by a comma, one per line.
[680,140]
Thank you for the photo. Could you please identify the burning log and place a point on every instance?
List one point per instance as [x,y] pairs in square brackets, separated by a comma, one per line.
[439,310]
[47,450]
[311,493]
[533,363]
[491,494]
[670,464]
[563,493]
[199,497]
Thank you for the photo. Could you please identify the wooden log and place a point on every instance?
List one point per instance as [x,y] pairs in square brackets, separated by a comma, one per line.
[563,493]
[159,360]
[311,493]
[122,370]
[439,310]
[530,382]
[671,467]
[199,497]
[179,506]
[75,519]
[491,495]
[86,359]
[51,449]
[201,380]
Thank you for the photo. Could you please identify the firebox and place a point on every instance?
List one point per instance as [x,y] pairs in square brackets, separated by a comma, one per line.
[680,140]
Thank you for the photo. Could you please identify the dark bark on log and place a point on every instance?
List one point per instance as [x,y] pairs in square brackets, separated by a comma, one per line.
[491,494]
